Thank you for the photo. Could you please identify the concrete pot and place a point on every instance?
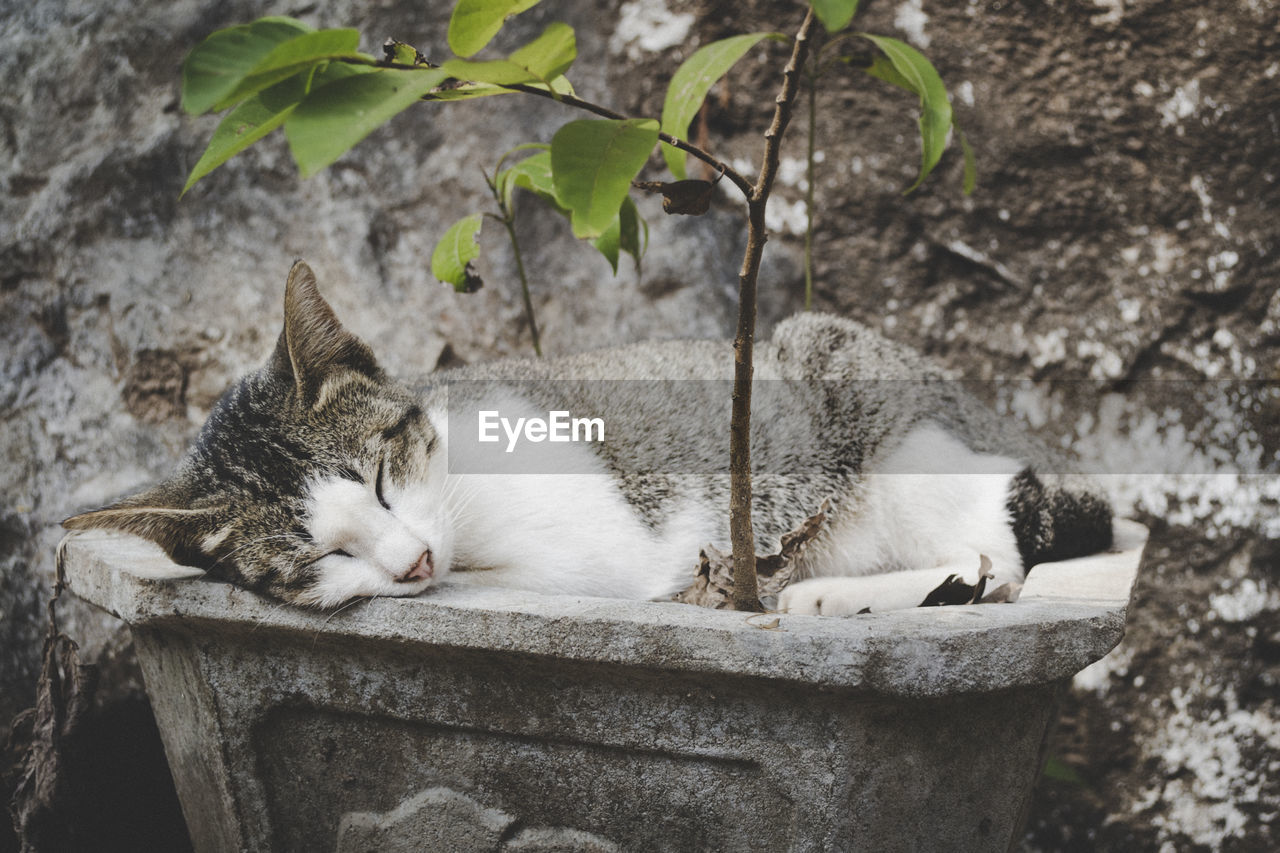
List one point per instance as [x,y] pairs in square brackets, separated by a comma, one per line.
[488,719]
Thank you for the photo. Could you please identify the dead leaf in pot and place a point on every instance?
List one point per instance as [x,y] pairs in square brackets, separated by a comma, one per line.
[713,585]
[954,590]
[1006,593]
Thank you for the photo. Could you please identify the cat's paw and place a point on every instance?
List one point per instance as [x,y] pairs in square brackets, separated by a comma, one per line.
[824,597]
[849,596]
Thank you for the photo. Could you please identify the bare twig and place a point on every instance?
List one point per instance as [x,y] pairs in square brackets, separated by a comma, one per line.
[745,596]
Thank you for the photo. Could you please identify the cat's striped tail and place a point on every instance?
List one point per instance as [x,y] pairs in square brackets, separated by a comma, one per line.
[1056,523]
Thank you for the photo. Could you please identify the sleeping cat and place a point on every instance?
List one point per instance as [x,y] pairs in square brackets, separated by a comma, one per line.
[319,479]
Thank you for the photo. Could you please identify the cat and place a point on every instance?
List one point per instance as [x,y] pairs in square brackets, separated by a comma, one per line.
[318,479]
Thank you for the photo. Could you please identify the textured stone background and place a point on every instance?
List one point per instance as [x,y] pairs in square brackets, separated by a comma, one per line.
[1123,234]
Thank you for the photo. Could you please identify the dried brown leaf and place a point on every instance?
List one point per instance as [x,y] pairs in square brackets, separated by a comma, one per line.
[63,697]
[713,585]
[955,590]
[689,197]
[1006,593]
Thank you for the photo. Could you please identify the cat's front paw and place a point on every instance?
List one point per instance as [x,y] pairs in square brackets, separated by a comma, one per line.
[823,597]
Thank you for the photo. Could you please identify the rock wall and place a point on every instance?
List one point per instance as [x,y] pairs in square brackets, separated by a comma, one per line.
[1122,237]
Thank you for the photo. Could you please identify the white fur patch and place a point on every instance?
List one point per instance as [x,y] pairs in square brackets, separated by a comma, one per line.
[932,508]
[380,545]
[571,532]
[211,541]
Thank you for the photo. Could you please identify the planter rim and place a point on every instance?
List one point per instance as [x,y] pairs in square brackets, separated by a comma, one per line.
[1070,614]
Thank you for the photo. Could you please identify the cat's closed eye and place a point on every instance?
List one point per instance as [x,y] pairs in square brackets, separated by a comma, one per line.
[377,485]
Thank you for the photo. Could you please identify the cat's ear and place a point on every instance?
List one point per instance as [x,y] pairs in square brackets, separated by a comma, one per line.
[314,344]
[188,535]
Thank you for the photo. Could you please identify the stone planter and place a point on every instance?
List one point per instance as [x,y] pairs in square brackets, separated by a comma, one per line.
[485,719]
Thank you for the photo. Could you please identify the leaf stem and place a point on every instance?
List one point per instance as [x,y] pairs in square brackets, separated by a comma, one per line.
[745,593]
[508,221]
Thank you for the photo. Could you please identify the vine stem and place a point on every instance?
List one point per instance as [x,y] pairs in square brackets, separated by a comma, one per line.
[745,594]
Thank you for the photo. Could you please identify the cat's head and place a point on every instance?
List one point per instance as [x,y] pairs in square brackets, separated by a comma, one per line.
[315,480]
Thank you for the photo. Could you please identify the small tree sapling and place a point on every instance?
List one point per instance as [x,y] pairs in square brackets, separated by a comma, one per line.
[278,72]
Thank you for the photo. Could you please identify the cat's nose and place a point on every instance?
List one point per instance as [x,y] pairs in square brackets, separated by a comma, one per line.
[422,569]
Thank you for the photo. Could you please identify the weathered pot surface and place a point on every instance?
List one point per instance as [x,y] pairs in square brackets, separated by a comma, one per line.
[477,718]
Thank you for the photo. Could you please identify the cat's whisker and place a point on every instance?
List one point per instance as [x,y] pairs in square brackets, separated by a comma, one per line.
[458,498]
[450,489]
[351,602]
[456,510]
[266,617]
[344,606]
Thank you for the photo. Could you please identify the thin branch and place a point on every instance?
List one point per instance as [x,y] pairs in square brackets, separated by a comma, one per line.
[744,186]
[785,106]
[524,285]
[745,595]
[572,100]
[508,221]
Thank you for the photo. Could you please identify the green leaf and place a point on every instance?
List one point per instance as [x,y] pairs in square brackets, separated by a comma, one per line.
[468,91]
[217,65]
[623,235]
[540,61]
[1059,771]
[632,226]
[882,69]
[690,84]
[523,146]
[592,164]
[475,22]
[258,115]
[627,233]
[451,260]
[246,124]
[607,243]
[294,56]
[970,162]
[402,53]
[907,68]
[835,15]
[559,86]
[533,173]
[334,117]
